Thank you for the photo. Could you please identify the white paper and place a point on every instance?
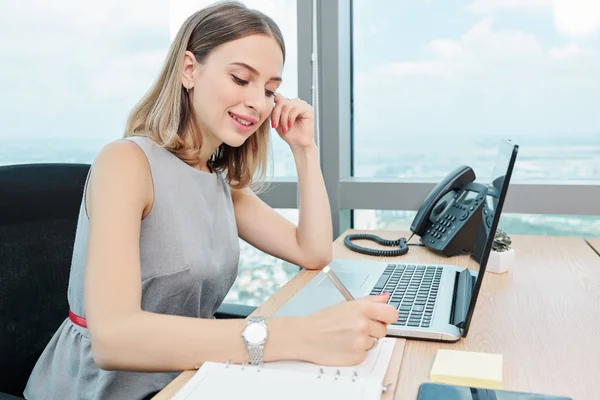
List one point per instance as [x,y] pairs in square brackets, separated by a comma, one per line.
[293,380]
[373,367]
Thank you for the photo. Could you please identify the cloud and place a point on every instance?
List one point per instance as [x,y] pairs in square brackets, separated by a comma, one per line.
[445,48]
[478,47]
[112,15]
[484,39]
[571,51]
[80,67]
[571,17]
[415,68]
[490,6]
[488,81]
[447,60]
[577,17]
[83,67]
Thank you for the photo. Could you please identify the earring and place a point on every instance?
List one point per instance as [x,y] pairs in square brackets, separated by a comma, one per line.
[187,90]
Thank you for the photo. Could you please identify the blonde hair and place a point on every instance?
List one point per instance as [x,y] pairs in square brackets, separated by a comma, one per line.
[166,115]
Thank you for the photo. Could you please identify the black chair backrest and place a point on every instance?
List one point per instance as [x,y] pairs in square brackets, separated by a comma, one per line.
[39,208]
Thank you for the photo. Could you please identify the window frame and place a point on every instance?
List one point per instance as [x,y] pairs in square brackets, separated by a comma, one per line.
[346,192]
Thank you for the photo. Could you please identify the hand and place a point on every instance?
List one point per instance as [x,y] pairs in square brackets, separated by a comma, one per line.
[343,334]
[294,121]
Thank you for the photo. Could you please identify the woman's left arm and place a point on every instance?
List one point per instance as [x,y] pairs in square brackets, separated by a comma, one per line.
[308,245]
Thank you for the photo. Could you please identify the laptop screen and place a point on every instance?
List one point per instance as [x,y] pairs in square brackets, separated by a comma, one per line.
[496,193]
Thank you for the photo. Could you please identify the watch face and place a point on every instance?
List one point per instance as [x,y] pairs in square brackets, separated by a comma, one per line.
[255,333]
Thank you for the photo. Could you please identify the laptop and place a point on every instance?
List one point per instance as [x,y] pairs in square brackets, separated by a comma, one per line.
[434,301]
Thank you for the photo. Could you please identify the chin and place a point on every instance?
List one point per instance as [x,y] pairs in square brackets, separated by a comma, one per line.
[234,139]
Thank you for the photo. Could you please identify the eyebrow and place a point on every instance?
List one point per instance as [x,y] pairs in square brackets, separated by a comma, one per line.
[254,71]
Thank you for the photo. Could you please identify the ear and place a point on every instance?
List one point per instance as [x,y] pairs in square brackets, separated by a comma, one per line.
[188,72]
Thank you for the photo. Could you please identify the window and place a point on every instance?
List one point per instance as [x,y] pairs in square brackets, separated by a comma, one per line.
[437,85]
[72,76]
[69,95]
[260,275]
[438,82]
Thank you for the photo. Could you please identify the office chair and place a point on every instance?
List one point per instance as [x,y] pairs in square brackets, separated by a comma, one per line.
[39,207]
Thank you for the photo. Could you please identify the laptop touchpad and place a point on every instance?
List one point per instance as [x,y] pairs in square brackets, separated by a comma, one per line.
[351,280]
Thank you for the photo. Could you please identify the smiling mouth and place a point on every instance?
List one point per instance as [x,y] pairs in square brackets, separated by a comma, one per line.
[241,121]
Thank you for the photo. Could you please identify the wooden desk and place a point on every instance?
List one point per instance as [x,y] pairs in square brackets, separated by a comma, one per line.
[543,317]
[595,244]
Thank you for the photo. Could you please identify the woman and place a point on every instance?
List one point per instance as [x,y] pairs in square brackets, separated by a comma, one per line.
[156,249]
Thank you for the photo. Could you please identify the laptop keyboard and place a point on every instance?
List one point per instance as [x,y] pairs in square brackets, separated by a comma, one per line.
[413,292]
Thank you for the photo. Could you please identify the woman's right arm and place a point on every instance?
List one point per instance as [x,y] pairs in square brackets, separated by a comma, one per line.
[125,337]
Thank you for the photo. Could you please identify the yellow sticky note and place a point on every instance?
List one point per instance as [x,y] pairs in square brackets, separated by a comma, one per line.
[467,368]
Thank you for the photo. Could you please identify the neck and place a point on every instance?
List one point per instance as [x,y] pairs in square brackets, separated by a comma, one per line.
[210,144]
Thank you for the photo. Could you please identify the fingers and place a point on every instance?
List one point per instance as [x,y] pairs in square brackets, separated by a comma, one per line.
[286,111]
[277,117]
[377,329]
[386,314]
[292,115]
[284,120]
[382,298]
[276,113]
[381,312]
[374,342]
[368,343]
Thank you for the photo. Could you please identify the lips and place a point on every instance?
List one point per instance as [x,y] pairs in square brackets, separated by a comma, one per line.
[242,119]
[244,125]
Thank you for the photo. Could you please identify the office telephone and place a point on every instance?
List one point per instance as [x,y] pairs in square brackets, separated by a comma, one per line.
[447,222]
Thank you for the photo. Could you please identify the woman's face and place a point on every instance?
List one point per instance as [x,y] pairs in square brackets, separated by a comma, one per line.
[233,89]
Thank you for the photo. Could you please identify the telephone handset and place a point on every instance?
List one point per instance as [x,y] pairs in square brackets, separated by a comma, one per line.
[438,199]
[447,222]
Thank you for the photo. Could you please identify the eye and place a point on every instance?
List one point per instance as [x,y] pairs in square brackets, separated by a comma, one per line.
[239,81]
[269,93]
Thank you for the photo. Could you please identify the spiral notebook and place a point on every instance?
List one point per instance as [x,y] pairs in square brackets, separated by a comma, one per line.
[292,380]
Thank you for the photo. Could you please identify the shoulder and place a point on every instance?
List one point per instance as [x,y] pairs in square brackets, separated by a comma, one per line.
[121,169]
[121,153]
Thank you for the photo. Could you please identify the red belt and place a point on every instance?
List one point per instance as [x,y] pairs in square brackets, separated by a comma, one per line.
[77,320]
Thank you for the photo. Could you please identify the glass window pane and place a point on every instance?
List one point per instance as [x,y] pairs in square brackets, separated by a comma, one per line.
[517,224]
[436,84]
[70,79]
[260,275]
[64,99]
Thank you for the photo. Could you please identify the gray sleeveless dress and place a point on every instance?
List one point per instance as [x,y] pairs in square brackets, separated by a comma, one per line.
[189,258]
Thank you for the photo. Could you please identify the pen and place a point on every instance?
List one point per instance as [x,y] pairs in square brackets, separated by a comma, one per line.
[337,283]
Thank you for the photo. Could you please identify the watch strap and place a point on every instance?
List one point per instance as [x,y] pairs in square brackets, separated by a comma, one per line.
[256,354]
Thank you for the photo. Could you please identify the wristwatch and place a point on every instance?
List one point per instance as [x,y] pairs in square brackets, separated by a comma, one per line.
[255,336]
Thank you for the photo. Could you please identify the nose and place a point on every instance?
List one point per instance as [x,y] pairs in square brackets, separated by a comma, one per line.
[257,100]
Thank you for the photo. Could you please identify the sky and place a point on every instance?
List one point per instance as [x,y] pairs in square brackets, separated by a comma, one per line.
[491,67]
[439,67]
[70,69]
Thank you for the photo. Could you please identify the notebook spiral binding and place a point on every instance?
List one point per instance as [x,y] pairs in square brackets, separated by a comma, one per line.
[321,373]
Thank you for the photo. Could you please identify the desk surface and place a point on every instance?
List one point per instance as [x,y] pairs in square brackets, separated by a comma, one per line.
[543,317]
[595,243]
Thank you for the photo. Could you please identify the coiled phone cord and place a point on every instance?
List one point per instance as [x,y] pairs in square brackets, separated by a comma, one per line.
[400,243]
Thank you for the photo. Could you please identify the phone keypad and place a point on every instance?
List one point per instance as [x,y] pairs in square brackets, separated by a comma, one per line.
[443,229]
